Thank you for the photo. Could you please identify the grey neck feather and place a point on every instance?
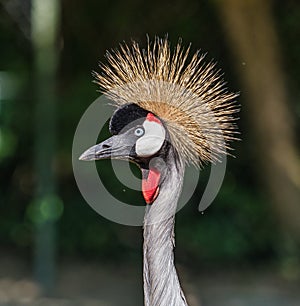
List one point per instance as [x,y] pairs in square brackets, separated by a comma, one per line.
[161,284]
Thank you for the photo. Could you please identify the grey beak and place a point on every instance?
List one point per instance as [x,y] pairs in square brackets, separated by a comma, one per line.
[113,147]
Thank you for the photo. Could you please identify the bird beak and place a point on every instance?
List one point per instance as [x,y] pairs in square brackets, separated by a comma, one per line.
[114,147]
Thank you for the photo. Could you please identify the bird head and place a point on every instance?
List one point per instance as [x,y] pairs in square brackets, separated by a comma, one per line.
[164,102]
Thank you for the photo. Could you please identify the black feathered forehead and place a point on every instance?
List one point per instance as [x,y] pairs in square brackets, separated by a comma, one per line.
[126,117]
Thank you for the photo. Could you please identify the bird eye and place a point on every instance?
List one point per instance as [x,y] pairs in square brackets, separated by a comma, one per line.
[139,132]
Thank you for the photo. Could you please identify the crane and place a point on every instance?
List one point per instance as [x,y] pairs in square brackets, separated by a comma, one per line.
[170,112]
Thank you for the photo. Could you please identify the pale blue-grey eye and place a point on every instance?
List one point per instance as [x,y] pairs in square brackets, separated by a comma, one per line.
[139,132]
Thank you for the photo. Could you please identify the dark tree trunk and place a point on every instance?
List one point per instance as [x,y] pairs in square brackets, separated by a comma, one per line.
[250,31]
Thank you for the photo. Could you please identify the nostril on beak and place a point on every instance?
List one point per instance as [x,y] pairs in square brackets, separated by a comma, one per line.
[105,146]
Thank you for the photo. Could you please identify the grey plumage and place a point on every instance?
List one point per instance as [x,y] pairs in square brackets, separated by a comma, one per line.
[161,284]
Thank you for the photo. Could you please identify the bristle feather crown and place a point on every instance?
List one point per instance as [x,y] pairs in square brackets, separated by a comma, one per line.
[190,97]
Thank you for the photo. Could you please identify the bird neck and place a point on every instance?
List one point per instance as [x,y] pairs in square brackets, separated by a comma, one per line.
[161,284]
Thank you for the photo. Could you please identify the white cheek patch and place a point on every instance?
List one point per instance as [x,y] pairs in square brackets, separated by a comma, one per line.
[153,139]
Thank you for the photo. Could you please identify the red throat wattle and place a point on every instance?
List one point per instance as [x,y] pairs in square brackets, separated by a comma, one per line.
[150,187]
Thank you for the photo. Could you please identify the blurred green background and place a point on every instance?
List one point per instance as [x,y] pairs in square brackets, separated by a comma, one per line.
[49,49]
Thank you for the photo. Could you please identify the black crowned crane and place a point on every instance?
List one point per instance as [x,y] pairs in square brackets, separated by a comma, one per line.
[170,113]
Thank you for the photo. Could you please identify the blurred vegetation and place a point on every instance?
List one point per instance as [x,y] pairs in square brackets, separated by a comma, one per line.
[241,226]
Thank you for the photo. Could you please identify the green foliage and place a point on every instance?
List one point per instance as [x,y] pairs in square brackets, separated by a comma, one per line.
[236,227]
[48,208]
